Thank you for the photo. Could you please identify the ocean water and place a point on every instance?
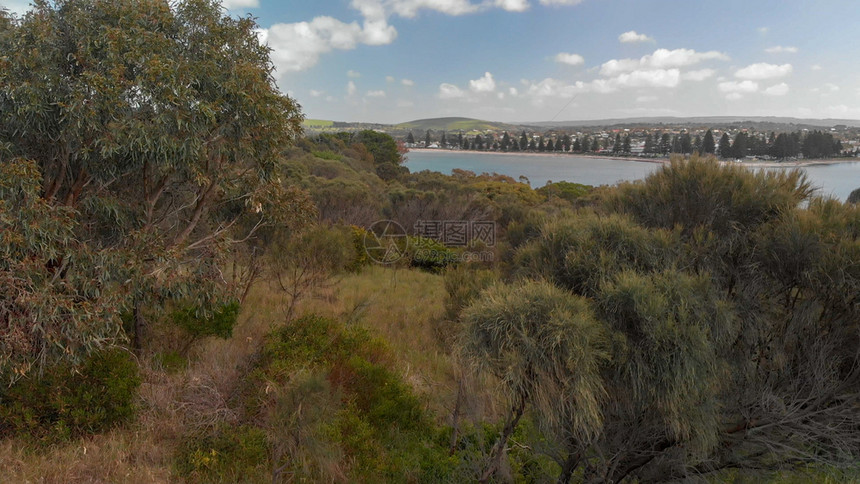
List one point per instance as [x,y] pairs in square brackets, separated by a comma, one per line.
[837,180]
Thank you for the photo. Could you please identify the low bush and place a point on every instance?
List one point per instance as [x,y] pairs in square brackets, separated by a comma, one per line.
[65,402]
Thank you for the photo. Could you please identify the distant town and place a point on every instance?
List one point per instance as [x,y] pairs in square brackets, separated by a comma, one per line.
[763,139]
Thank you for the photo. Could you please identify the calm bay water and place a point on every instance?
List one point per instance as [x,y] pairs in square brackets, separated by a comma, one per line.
[837,180]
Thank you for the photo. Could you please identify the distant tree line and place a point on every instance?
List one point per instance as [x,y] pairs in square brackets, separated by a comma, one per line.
[815,144]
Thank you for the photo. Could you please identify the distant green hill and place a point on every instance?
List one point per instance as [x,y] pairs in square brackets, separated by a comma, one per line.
[317,123]
[453,124]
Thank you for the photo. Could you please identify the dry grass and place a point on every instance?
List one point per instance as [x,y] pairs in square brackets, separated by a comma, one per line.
[401,306]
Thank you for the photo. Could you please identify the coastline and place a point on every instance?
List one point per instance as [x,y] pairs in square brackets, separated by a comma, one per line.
[661,161]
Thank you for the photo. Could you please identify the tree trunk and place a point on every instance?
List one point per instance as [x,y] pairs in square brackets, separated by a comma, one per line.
[139,327]
[499,448]
[570,464]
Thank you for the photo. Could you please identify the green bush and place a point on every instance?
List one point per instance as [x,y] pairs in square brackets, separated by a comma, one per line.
[197,324]
[229,454]
[64,403]
[430,255]
[565,190]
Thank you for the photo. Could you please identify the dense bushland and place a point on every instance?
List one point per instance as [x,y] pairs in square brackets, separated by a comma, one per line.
[186,290]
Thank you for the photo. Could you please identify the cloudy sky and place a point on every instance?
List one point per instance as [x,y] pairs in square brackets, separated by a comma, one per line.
[538,60]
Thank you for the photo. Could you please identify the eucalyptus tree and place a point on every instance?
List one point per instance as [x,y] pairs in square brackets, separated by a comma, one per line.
[159,126]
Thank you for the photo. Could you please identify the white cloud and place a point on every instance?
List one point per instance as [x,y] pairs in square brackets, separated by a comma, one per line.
[353,74]
[734,96]
[513,5]
[616,66]
[375,94]
[646,99]
[390,79]
[450,91]
[560,2]
[407,82]
[484,84]
[648,78]
[826,88]
[763,30]
[350,88]
[742,87]
[633,37]
[660,59]
[779,49]
[315,93]
[780,89]
[763,70]
[405,103]
[410,8]
[815,67]
[699,75]
[513,91]
[236,4]
[550,87]
[298,46]
[569,59]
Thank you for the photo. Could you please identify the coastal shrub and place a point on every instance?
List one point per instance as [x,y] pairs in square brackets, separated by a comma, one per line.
[228,454]
[430,255]
[198,324]
[65,402]
[565,190]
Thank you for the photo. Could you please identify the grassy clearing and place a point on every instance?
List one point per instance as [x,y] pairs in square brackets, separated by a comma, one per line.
[317,123]
[403,307]
[400,306]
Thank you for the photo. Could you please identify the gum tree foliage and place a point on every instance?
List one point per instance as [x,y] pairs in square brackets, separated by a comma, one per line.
[731,301]
[156,130]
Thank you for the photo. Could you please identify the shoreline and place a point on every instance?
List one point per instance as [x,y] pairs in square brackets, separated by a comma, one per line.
[660,161]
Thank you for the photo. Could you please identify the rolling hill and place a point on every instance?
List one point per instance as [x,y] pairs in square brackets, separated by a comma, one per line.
[453,124]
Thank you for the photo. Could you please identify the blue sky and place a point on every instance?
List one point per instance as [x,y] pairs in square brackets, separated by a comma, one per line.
[537,60]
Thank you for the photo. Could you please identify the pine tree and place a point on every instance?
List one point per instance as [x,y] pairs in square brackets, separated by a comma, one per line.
[524,141]
[708,145]
[739,147]
[626,147]
[616,147]
[686,144]
[725,146]
[665,144]
[648,149]
[443,141]
[427,139]
[410,138]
